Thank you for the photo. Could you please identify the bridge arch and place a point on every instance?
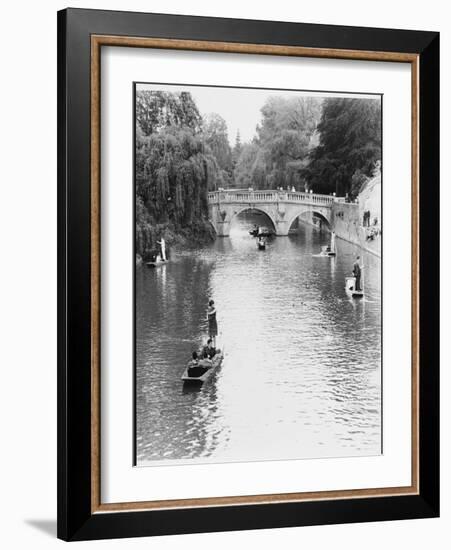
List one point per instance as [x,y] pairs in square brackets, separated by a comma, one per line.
[261,209]
[314,211]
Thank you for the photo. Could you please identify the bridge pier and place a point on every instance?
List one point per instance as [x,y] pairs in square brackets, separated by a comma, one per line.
[222,228]
[282,228]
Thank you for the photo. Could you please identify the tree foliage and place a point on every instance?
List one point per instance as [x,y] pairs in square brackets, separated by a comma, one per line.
[349,145]
[216,138]
[175,167]
[279,152]
[156,110]
[250,169]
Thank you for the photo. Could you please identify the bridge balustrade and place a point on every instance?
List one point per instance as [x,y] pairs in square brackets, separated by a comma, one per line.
[271,196]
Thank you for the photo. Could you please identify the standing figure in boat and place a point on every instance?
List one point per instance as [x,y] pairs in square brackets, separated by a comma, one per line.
[357,272]
[212,323]
[162,244]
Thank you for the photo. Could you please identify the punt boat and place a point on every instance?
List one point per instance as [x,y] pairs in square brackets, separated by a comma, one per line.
[350,288]
[202,375]
[156,262]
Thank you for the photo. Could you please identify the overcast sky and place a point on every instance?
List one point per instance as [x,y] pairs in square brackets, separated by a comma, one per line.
[239,107]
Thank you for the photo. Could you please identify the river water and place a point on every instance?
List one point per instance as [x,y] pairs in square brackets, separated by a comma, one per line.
[301,377]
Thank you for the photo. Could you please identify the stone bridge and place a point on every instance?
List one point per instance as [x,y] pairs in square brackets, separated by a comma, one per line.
[281,207]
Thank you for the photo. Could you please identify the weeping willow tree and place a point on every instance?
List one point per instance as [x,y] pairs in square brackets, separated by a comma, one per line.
[175,169]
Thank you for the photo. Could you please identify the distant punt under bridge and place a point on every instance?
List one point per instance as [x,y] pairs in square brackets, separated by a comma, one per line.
[281,207]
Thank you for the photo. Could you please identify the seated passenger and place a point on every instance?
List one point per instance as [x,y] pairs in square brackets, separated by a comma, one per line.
[195,368]
[205,361]
[194,361]
[210,349]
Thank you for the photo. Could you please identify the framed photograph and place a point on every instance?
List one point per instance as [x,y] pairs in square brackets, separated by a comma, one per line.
[248,274]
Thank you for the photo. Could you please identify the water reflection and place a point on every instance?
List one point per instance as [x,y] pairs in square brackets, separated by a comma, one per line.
[301,375]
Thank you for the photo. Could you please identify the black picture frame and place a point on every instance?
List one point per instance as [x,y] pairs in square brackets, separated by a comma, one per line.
[76,520]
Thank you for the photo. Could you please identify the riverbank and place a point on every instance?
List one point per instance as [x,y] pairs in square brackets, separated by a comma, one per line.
[347,224]
[360,223]
[197,234]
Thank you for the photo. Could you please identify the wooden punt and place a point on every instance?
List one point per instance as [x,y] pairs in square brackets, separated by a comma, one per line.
[198,380]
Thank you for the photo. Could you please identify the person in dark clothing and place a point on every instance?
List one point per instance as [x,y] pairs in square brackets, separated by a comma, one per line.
[357,272]
[209,349]
[212,323]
